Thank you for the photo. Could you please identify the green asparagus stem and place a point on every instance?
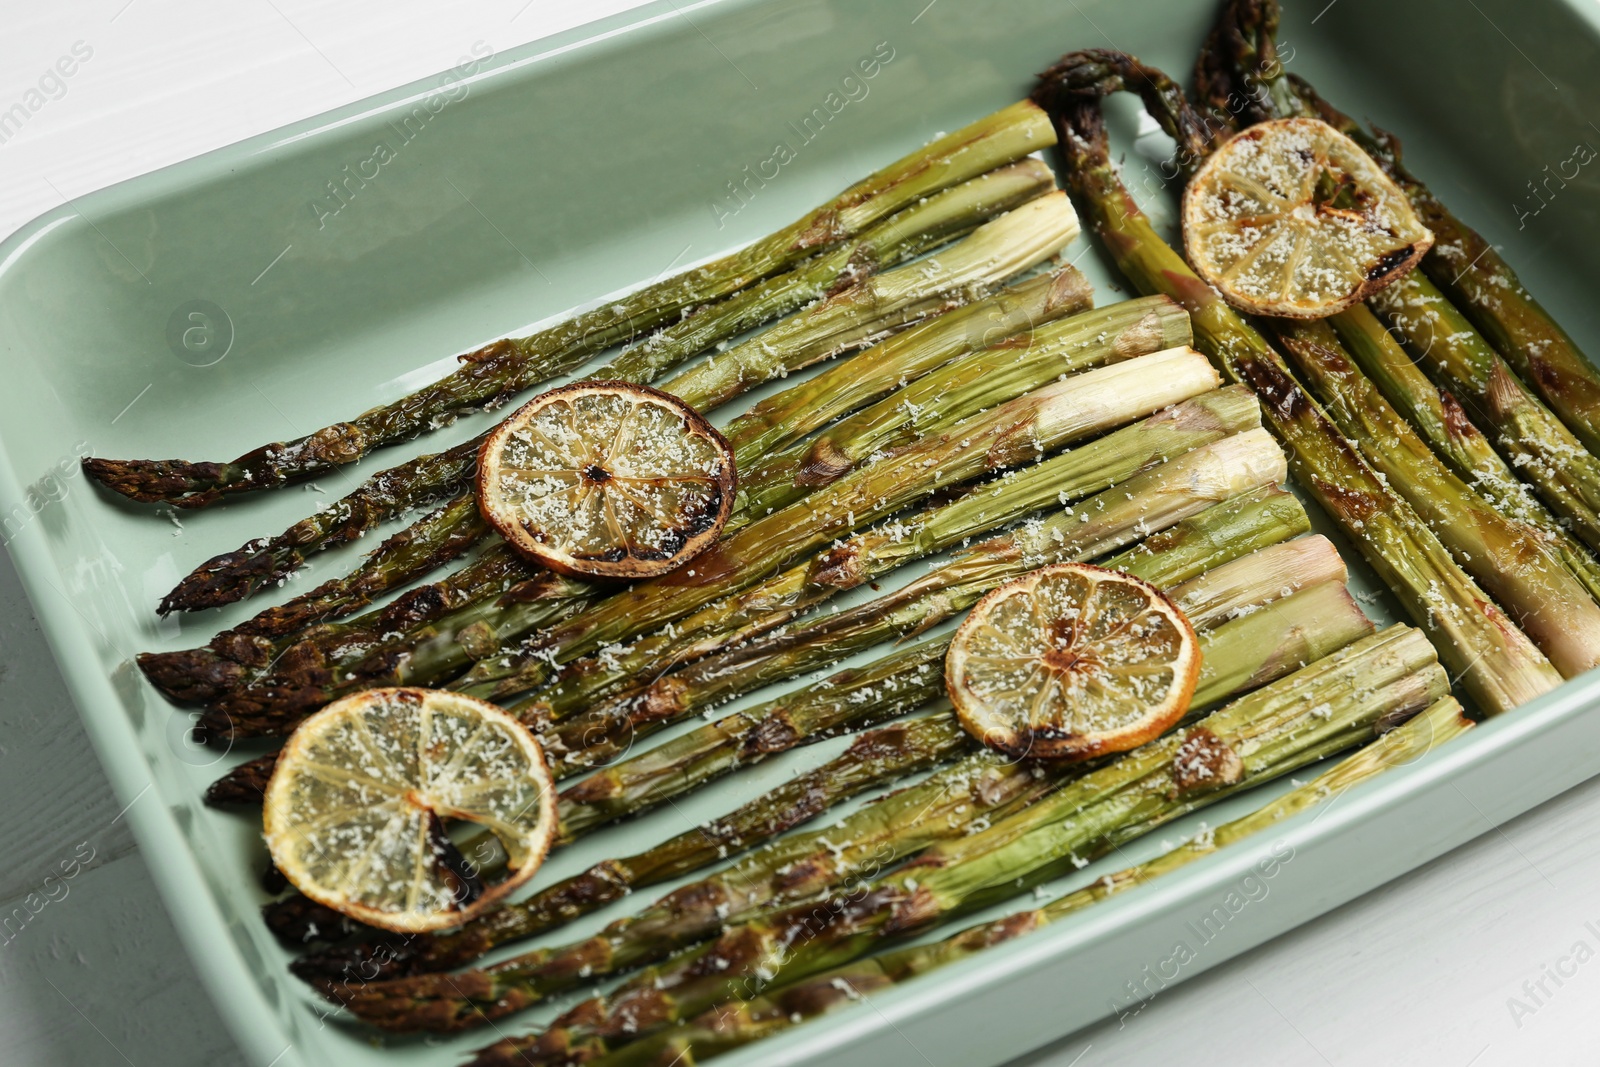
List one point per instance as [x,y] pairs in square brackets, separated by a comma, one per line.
[795,868]
[1495,662]
[203,676]
[1087,403]
[1005,369]
[1325,708]
[1441,421]
[1462,263]
[737,1024]
[1205,546]
[504,368]
[846,270]
[1177,489]
[1523,572]
[1564,474]
[852,384]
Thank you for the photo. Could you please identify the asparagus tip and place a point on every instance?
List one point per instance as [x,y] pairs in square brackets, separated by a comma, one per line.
[245,784]
[437,1003]
[225,579]
[191,675]
[157,481]
[365,961]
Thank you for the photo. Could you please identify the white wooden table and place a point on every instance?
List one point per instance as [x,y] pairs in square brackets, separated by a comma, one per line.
[1482,958]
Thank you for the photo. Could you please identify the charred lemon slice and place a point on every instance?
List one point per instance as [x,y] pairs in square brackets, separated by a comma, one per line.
[1291,218]
[360,804]
[1070,662]
[607,480]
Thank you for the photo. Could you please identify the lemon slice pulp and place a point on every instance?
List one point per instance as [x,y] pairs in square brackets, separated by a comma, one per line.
[1072,661]
[1291,218]
[607,479]
[357,809]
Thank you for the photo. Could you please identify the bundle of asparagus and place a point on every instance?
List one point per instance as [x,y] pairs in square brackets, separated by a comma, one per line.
[1322,709]
[997,250]
[736,1024]
[236,657]
[1507,542]
[950,214]
[1514,563]
[1092,338]
[1549,454]
[1260,644]
[1002,437]
[962,388]
[1435,415]
[1177,489]
[1186,550]
[1494,659]
[1243,51]
[503,368]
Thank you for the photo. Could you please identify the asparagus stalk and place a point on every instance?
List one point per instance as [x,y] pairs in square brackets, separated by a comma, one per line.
[1179,488]
[952,213]
[983,784]
[1085,404]
[1322,709]
[501,369]
[1462,263]
[1436,415]
[846,387]
[1564,474]
[737,1024]
[1007,368]
[1495,662]
[202,675]
[1523,572]
[1202,545]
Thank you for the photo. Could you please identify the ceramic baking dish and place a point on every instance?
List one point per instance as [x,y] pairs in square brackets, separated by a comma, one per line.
[537,179]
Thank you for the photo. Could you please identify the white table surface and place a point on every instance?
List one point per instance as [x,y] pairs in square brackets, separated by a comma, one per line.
[1427,970]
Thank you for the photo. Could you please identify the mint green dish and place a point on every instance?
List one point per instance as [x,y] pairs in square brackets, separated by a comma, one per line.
[534,181]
